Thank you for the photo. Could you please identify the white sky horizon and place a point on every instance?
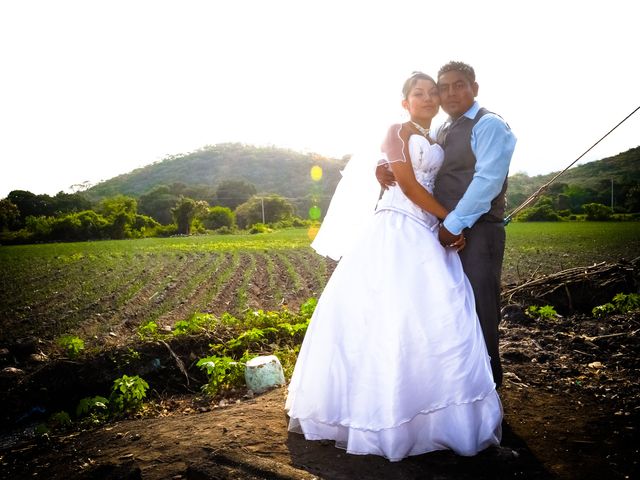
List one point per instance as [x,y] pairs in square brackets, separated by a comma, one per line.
[94,89]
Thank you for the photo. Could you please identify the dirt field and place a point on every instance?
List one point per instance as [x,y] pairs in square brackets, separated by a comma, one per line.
[571,399]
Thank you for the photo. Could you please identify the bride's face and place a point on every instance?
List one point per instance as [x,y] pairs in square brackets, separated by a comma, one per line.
[423,100]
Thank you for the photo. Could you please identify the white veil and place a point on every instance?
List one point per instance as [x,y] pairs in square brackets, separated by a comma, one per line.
[353,204]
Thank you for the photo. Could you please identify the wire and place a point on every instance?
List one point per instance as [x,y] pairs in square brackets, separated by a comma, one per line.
[537,193]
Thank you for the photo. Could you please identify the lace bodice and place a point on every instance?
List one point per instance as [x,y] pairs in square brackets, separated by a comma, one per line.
[426,160]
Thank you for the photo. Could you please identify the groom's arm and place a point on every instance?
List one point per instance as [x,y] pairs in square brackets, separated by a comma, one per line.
[493,143]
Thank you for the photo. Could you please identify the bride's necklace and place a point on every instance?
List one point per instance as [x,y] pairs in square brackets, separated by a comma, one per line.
[421,129]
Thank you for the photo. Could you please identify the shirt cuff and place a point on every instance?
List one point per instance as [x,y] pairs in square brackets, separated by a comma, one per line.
[453,224]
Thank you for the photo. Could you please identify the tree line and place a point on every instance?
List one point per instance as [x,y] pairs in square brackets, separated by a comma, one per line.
[601,190]
[166,210]
[607,188]
[563,201]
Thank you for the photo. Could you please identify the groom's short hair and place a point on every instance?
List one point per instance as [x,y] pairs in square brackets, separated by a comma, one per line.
[466,70]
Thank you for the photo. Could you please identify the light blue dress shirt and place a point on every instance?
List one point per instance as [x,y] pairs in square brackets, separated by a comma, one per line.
[492,143]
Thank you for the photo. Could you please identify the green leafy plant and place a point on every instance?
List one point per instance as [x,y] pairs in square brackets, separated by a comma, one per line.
[198,322]
[603,310]
[253,338]
[221,372]
[295,329]
[96,409]
[127,394]
[72,345]
[546,312]
[59,421]
[308,307]
[148,331]
[258,333]
[621,303]
[288,356]
[626,302]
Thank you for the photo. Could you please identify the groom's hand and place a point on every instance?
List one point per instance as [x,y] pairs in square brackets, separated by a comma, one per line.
[385,176]
[448,239]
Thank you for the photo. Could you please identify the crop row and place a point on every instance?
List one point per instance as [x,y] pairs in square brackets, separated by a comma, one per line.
[103,291]
[103,297]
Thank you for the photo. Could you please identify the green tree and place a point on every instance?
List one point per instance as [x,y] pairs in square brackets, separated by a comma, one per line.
[39,227]
[597,211]
[158,204]
[578,196]
[9,215]
[120,212]
[30,204]
[70,202]
[632,199]
[218,217]
[113,206]
[185,211]
[87,225]
[276,208]
[231,193]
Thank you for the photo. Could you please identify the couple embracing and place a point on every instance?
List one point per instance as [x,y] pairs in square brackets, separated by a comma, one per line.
[401,355]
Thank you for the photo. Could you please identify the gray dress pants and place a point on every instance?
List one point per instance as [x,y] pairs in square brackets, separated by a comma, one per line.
[482,262]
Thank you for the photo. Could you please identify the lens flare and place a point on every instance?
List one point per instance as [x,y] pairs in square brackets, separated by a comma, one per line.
[315,212]
[313,231]
[316,173]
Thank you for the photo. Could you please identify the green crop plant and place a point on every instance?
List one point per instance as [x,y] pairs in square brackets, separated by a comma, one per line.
[546,312]
[127,394]
[222,372]
[94,409]
[148,331]
[72,345]
[621,303]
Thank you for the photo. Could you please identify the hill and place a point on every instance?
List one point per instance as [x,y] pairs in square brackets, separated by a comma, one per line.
[270,169]
[594,180]
[286,172]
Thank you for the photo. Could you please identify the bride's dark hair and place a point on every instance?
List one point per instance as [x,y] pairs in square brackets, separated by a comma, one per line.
[412,80]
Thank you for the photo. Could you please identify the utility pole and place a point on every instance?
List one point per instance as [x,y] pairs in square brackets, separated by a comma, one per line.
[612,194]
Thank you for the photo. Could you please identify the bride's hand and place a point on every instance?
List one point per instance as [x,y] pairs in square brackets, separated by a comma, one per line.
[385,176]
[459,243]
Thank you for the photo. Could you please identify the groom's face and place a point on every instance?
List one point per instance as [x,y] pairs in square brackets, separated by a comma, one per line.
[457,93]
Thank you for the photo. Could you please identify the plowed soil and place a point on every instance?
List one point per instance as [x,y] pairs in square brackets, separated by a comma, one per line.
[571,400]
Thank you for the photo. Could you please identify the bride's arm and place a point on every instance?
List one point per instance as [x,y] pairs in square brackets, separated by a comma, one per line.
[405,177]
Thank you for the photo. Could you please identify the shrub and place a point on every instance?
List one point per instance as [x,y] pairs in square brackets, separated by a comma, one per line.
[597,212]
[543,213]
[219,217]
[259,228]
[269,209]
[164,230]
[224,231]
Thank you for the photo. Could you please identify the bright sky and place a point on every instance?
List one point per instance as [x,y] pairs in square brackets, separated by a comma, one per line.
[93,89]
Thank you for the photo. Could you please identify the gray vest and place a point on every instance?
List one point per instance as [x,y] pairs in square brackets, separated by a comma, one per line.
[458,168]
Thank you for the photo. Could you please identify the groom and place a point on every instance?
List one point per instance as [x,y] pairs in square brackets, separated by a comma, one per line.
[471,184]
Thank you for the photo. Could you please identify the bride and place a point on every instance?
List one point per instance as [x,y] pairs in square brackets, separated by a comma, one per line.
[394,362]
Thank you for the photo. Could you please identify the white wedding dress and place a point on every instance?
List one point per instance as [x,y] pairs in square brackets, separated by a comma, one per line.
[394,362]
